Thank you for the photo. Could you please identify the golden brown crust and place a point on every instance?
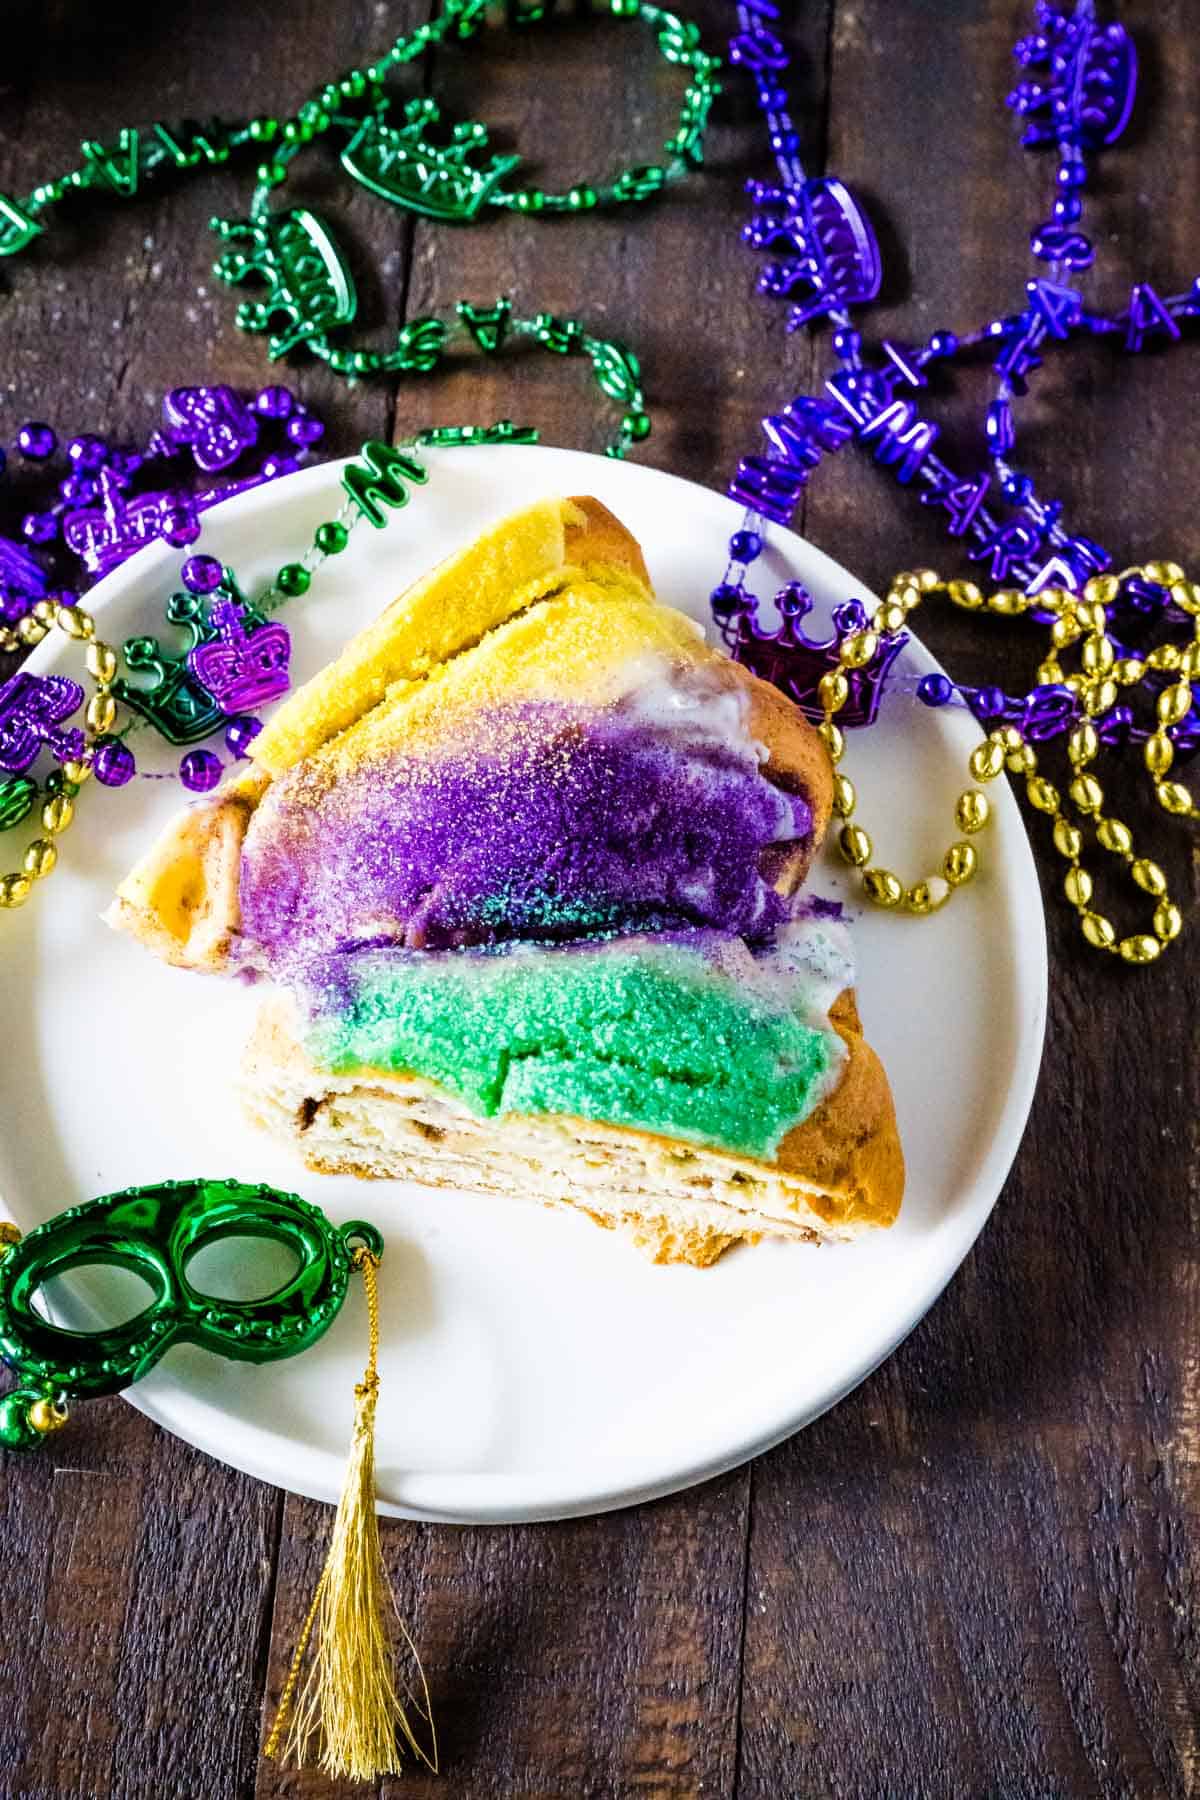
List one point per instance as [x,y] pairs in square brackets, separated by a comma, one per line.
[599,538]
[850,1147]
[181,900]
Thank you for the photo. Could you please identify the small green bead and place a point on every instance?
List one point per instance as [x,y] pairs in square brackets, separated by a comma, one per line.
[263,130]
[624,9]
[581,199]
[353,85]
[329,96]
[636,426]
[331,538]
[270,174]
[293,579]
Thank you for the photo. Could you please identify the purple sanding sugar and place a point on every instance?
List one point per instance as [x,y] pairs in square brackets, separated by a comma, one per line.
[552,822]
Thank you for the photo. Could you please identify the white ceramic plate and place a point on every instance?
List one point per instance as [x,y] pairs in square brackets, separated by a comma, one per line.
[533,1366]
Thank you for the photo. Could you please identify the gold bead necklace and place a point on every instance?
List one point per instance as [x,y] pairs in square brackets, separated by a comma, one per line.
[1079,619]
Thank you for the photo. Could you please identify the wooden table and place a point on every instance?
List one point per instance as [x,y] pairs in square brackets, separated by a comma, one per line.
[980,1576]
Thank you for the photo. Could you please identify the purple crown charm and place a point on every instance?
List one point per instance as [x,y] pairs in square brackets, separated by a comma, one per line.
[796,662]
[241,669]
[103,536]
[213,422]
[835,253]
[32,708]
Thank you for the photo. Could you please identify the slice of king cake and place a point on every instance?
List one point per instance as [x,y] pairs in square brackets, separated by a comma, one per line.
[522,867]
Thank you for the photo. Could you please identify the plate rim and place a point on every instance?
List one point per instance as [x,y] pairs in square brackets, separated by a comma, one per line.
[633,1483]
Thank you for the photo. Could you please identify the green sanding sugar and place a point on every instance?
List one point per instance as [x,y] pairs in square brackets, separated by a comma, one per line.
[649,1034]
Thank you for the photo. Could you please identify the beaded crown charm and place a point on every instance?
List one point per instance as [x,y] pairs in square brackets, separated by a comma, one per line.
[402,164]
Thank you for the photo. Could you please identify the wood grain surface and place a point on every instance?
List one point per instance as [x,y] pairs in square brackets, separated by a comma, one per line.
[979,1575]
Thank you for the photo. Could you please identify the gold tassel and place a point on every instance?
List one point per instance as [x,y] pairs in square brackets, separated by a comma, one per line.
[348,1711]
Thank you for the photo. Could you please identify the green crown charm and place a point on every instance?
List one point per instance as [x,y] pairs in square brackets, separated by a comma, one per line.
[443,181]
[310,289]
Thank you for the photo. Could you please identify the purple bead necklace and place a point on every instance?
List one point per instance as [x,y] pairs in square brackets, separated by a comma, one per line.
[825,260]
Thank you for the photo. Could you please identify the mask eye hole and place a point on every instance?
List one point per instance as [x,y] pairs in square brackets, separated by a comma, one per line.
[93,1297]
[242,1269]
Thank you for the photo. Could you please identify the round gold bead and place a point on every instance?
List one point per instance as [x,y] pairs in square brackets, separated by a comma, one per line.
[1158,753]
[833,691]
[44,611]
[1083,745]
[1098,930]
[966,594]
[1174,703]
[1148,876]
[57,813]
[1068,839]
[919,900]
[1064,631]
[844,796]
[906,594]
[856,651]
[833,738]
[40,858]
[884,888]
[1165,658]
[1173,797]
[1053,599]
[927,580]
[1168,921]
[75,622]
[906,579]
[9,641]
[960,864]
[1100,698]
[1186,596]
[1008,737]
[855,845]
[101,662]
[14,889]
[890,618]
[1142,948]
[1189,662]
[10,1234]
[1087,793]
[1077,886]
[77,772]
[1164,573]
[1115,836]
[1102,590]
[1043,794]
[30,631]
[1049,673]
[46,1417]
[1022,761]
[101,714]
[1097,656]
[986,760]
[972,811]
[1129,670]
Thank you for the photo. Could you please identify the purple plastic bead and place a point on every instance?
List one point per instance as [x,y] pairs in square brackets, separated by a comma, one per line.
[988,702]
[182,531]
[274,402]
[303,430]
[36,441]
[241,733]
[726,600]
[942,343]
[39,528]
[88,453]
[745,546]
[935,690]
[202,574]
[200,771]
[113,764]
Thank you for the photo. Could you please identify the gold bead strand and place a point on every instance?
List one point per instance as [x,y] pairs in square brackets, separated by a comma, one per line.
[58,809]
[972,811]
